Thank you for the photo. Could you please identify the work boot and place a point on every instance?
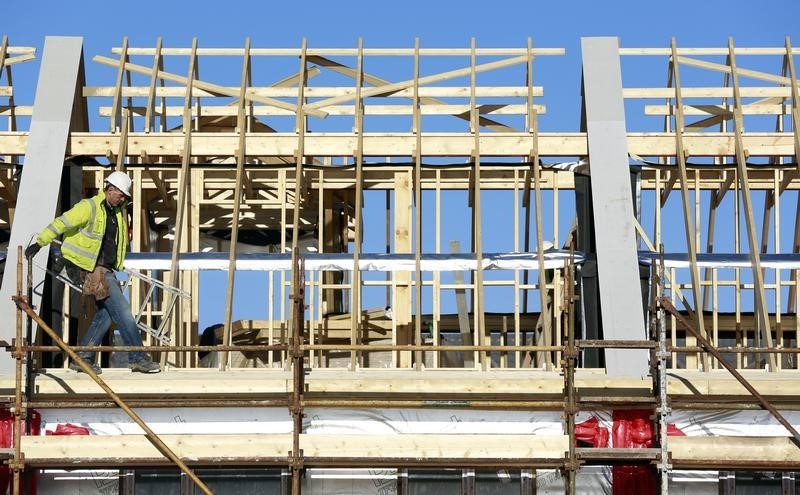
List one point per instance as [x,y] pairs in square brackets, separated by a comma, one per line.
[74,365]
[145,366]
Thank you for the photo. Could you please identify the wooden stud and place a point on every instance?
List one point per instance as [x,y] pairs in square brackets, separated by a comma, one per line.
[3,52]
[547,302]
[480,335]
[122,151]
[417,182]
[300,128]
[657,212]
[321,231]
[793,289]
[151,91]
[675,286]
[516,272]
[715,311]
[777,243]
[186,158]
[358,129]
[765,331]
[742,360]
[680,157]
[192,332]
[116,114]
[401,280]
[283,193]
[437,278]
[461,309]
[241,157]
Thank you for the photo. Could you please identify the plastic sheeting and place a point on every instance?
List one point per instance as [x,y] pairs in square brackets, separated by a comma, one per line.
[596,428]
[344,261]
[754,423]
[553,259]
[593,426]
[787,261]
[317,421]
[179,420]
[421,421]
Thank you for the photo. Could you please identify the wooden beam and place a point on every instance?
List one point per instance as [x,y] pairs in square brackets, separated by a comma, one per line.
[186,158]
[479,329]
[545,301]
[358,214]
[443,76]
[689,227]
[758,452]
[793,290]
[352,52]
[427,102]
[321,383]
[271,448]
[18,60]
[449,145]
[116,113]
[795,84]
[766,106]
[401,280]
[203,85]
[763,76]
[460,111]
[3,51]
[241,157]
[300,130]
[417,183]
[709,92]
[281,89]
[151,91]
[464,327]
[764,331]
[122,152]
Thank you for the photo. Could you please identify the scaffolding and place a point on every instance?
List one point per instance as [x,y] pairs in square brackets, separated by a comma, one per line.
[345,181]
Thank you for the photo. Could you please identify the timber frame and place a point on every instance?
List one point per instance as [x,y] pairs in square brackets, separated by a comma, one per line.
[301,160]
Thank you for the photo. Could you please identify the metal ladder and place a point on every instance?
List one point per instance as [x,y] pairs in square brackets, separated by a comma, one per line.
[171,297]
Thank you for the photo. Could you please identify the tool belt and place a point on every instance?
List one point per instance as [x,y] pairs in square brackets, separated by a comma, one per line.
[91,283]
[95,283]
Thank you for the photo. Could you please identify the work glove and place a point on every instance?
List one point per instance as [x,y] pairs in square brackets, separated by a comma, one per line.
[31,250]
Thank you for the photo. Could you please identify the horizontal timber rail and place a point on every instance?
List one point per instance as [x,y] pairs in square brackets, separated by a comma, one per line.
[579,344]
[320,145]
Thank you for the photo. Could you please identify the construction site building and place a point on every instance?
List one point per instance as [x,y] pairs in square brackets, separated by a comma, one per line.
[410,270]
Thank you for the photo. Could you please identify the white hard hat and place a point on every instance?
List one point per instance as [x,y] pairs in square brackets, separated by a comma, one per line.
[121,181]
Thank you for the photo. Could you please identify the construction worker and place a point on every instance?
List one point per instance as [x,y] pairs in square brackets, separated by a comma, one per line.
[95,234]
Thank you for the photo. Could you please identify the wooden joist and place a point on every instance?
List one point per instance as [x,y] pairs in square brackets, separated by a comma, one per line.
[55,451]
[686,452]
[766,453]
[433,384]
[449,145]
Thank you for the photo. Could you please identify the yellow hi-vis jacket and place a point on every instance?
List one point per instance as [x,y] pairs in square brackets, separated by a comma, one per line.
[83,227]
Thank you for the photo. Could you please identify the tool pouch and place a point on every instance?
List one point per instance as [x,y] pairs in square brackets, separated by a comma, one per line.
[95,283]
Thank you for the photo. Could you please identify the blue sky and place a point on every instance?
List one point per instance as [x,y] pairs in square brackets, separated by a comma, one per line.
[438,23]
[449,24]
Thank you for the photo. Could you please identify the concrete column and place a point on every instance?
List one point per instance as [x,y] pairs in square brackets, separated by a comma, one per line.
[38,192]
[617,260]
